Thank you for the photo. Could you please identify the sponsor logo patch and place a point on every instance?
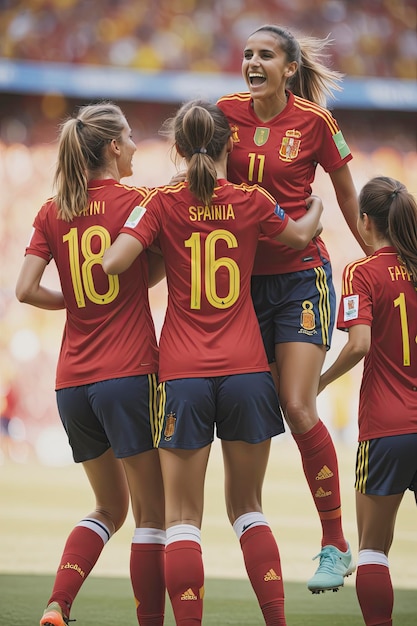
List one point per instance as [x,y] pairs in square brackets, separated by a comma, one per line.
[324,473]
[188,595]
[271,575]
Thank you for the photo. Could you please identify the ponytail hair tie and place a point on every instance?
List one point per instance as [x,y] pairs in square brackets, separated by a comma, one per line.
[80,124]
[200,151]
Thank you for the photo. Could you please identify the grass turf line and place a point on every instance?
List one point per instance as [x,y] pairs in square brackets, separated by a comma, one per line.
[109,602]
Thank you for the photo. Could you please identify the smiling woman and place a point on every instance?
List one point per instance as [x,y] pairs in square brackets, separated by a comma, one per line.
[281,132]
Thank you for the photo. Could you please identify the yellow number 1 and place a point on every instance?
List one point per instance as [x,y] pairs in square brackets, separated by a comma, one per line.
[253,157]
[400,302]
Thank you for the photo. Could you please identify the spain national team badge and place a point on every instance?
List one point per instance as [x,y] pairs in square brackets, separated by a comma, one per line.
[169,426]
[290,145]
[235,133]
[307,317]
[261,136]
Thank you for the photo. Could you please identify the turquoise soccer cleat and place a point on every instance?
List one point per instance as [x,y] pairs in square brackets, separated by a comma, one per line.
[334,567]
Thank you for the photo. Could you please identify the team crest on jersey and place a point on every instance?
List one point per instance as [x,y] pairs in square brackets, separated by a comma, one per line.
[290,145]
[169,429]
[261,135]
[308,319]
[235,133]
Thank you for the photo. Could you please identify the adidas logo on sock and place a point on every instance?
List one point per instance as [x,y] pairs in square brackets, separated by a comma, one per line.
[271,575]
[320,493]
[324,473]
[188,595]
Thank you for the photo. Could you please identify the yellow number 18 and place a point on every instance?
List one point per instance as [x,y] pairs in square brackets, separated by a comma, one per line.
[82,276]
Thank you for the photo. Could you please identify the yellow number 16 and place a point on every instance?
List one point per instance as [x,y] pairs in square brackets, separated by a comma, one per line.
[212,265]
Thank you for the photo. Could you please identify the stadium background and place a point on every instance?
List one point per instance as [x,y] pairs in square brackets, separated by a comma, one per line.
[149,57]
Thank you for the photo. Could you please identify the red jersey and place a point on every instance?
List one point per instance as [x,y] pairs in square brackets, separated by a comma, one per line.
[210,327]
[109,330]
[378,291]
[282,155]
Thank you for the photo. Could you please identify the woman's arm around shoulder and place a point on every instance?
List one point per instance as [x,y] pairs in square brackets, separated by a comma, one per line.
[121,254]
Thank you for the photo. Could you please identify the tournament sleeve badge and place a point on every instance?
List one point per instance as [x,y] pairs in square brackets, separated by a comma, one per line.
[341,144]
[350,308]
[279,212]
[135,217]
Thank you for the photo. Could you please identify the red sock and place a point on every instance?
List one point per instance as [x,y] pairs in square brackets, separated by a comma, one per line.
[184,575]
[81,551]
[320,466]
[375,594]
[263,565]
[147,573]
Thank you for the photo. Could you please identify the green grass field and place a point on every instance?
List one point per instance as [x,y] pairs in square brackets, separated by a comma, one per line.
[39,505]
[108,602]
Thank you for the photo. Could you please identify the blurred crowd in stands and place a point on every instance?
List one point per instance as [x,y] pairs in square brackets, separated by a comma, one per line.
[29,338]
[371,37]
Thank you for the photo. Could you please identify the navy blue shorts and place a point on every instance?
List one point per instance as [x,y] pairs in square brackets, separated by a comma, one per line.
[120,413]
[295,307]
[387,466]
[242,407]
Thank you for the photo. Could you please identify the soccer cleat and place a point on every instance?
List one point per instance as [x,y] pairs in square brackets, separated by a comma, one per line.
[334,566]
[52,616]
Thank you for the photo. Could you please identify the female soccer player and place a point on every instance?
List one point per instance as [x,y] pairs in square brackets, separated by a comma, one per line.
[280,133]
[213,369]
[379,310]
[106,378]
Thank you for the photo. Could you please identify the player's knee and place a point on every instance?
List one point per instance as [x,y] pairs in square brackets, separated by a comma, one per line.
[299,416]
[112,517]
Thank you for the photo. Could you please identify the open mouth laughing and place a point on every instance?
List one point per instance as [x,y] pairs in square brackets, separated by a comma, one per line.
[256,79]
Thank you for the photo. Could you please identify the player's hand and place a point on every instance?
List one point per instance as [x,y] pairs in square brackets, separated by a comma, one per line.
[179,177]
[309,201]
